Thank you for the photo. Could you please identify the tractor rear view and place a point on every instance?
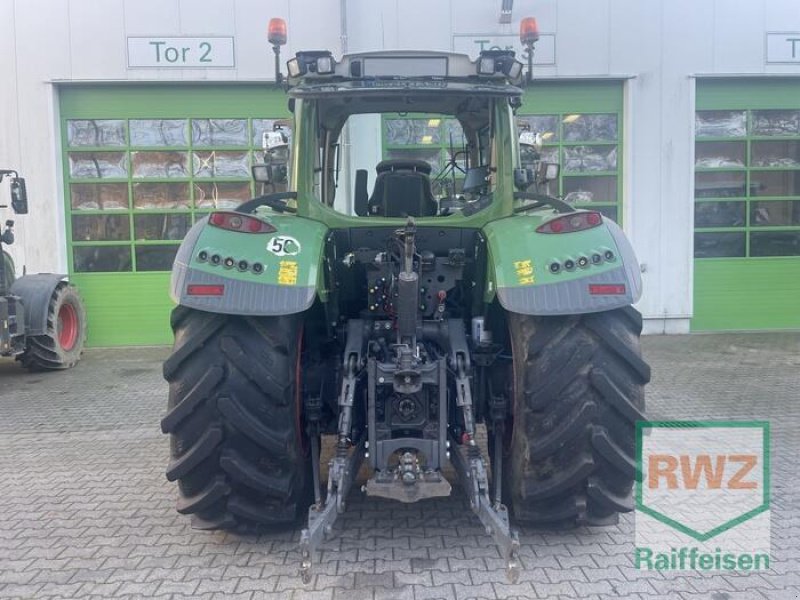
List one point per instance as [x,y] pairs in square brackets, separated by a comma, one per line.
[404,319]
[42,317]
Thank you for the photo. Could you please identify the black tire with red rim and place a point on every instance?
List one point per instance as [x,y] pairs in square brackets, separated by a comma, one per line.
[60,347]
[238,446]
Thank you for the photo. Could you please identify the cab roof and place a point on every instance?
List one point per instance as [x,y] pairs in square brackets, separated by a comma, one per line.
[403,73]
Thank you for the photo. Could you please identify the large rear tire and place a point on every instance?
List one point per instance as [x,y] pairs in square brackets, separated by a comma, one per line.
[237,444]
[61,345]
[578,392]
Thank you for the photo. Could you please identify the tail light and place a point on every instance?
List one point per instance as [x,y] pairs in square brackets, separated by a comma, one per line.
[233,221]
[573,222]
[205,290]
[607,289]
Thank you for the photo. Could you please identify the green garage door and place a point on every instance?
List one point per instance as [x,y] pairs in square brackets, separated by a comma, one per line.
[580,123]
[141,164]
[747,205]
[581,126]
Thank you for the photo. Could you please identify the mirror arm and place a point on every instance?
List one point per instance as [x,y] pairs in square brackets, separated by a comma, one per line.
[542,199]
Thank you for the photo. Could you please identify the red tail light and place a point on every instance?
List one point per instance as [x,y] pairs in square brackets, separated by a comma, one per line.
[607,289]
[233,221]
[573,222]
[205,290]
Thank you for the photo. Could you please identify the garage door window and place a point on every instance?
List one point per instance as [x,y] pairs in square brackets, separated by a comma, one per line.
[586,145]
[747,183]
[136,186]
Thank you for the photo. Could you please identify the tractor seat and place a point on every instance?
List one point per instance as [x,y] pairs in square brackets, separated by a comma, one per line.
[402,189]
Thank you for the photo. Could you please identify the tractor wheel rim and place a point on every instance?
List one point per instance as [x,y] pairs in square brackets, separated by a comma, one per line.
[67,327]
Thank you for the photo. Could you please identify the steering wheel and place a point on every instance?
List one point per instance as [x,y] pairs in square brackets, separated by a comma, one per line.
[276,202]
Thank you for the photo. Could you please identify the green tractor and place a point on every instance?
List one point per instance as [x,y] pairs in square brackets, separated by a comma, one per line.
[42,317]
[407,322]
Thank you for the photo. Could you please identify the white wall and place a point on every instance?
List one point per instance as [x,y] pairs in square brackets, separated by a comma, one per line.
[48,41]
[659,45]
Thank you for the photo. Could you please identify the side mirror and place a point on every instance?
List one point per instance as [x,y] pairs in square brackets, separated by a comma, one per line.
[19,196]
[275,168]
[548,172]
[523,178]
[262,173]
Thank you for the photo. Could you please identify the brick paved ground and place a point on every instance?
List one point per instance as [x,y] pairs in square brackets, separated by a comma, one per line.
[85,509]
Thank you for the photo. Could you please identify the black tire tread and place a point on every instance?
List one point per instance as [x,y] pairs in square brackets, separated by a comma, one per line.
[579,390]
[237,451]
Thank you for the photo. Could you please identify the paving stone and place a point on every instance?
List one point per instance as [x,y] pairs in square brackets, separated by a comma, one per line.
[86,510]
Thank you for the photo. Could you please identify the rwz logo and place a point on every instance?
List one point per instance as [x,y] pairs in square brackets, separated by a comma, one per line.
[698,480]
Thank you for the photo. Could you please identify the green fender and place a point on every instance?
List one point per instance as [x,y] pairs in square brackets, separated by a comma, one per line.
[274,273]
[521,276]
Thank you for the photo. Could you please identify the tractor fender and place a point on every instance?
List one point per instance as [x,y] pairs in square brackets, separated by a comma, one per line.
[36,291]
[282,274]
[521,259]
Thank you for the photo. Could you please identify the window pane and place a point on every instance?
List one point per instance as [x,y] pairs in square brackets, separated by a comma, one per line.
[221,164]
[453,133]
[159,132]
[100,228]
[586,128]
[600,188]
[95,259]
[719,185]
[716,155]
[161,227]
[720,123]
[775,213]
[98,165]
[549,154]
[719,214]
[547,125]
[262,126]
[161,195]
[94,196]
[403,132]
[160,164]
[776,122]
[155,258]
[219,132]
[775,154]
[433,157]
[775,183]
[221,195]
[775,243]
[712,245]
[590,158]
[96,133]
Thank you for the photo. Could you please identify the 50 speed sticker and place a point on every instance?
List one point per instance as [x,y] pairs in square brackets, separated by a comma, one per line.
[284,245]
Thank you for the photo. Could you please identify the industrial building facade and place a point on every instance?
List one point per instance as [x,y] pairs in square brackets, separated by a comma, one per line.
[680,120]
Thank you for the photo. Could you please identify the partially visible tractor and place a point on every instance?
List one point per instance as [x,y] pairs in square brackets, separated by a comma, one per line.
[399,321]
[42,317]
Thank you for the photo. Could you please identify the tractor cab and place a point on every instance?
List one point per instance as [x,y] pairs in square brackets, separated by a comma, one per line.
[340,110]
